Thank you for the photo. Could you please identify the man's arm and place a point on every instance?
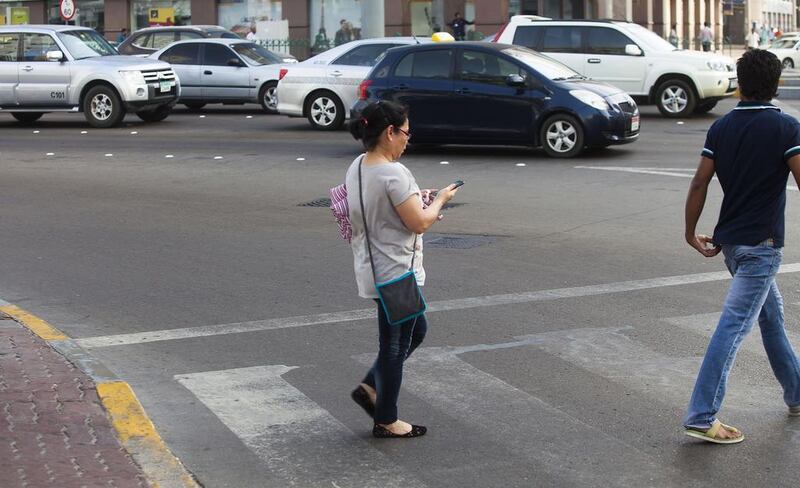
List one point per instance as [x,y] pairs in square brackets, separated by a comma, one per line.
[794,166]
[695,201]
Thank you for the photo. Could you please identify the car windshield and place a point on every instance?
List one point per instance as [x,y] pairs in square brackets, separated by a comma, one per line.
[547,67]
[255,54]
[84,44]
[649,38]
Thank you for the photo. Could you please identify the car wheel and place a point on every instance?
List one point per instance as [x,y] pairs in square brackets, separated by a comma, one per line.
[27,117]
[788,63]
[102,107]
[156,115]
[562,136]
[325,111]
[675,98]
[194,105]
[705,107]
[268,96]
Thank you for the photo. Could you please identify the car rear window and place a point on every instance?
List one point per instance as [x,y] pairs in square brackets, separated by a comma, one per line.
[562,39]
[528,36]
[425,64]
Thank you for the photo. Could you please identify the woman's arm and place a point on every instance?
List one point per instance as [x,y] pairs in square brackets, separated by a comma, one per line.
[418,220]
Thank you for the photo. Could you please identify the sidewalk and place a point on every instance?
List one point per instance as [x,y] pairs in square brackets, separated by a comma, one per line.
[54,431]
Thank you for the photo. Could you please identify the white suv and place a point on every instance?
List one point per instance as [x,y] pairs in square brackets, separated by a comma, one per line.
[632,58]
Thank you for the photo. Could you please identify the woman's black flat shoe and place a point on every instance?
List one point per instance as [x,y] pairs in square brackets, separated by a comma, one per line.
[384,433]
[361,397]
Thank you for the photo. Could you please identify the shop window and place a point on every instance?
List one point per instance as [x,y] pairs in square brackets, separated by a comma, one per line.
[240,15]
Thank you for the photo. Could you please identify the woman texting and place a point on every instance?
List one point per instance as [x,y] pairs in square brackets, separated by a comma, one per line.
[394,215]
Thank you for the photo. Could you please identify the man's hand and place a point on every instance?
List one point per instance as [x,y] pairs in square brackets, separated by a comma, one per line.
[701,243]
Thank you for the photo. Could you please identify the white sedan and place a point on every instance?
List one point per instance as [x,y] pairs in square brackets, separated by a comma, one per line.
[324,87]
[788,51]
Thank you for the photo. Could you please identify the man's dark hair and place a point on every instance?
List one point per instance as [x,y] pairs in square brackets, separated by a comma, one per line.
[759,72]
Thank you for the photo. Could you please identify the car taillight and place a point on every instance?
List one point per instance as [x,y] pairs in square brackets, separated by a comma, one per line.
[499,33]
[282,73]
[362,89]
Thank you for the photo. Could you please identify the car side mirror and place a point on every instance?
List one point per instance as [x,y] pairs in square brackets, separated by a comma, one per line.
[633,50]
[55,56]
[236,62]
[516,80]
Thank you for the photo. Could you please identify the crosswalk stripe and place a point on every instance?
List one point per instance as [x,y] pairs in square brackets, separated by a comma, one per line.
[436,306]
[542,434]
[290,432]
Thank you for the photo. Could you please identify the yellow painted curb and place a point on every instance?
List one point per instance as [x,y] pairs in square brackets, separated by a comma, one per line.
[136,432]
[35,324]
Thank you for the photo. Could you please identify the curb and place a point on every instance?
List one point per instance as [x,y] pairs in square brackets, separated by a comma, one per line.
[133,427]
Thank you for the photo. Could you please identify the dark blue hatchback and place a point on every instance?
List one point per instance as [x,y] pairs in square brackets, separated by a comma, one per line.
[481,93]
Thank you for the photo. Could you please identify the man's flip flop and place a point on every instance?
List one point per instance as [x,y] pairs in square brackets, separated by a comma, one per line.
[711,434]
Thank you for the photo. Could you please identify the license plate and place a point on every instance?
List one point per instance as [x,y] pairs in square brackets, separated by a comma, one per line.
[165,86]
[733,84]
[634,123]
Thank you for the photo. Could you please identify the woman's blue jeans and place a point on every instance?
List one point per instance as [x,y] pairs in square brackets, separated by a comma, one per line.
[753,295]
[397,342]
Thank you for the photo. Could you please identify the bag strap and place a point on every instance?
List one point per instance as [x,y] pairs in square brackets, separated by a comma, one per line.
[366,231]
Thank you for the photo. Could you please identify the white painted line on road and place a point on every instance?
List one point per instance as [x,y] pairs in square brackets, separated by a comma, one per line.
[217,157]
[444,162]
[301,159]
[133,133]
[291,433]
[680,123]
[656,171]
[50,154]
[169,156]
[108,155]
[202,116]
[249,116]
[438,306]
[36,132]
[520,165]
[84,132]
[539,432]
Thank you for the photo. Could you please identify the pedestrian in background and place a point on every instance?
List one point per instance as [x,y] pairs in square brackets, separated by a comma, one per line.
[751,150]
[752,40]
[706,37]
[459,26]
[388,248]
[123,34]
[673,35]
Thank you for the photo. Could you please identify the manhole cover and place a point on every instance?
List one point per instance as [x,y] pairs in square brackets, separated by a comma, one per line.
[447,241]
[319,202]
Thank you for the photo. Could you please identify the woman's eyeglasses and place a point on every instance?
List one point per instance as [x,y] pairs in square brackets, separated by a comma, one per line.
[407,133]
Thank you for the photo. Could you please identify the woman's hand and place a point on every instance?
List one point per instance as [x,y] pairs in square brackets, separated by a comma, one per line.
[446,194]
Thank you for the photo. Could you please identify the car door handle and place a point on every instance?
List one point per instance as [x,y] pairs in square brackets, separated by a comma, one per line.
[594,60]
[463,91]
[207,72]
[336,73]
[400,87]
[27,68]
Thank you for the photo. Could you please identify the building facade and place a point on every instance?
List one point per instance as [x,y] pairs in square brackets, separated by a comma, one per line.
[324,23]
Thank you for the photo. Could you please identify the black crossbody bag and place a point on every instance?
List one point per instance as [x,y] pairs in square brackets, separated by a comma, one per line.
[401,298]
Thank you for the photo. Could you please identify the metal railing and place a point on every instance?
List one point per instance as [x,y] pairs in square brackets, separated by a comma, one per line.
[299,48]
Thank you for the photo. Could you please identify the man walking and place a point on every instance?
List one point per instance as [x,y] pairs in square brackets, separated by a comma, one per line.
[706,37]
[752,150]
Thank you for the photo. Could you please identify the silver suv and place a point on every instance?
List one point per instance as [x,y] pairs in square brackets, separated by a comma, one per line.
[53,68]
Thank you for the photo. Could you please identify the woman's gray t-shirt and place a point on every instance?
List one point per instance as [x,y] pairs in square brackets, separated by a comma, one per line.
[385,187]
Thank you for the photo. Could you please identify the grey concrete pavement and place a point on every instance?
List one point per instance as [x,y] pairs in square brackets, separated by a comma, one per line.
[564,390]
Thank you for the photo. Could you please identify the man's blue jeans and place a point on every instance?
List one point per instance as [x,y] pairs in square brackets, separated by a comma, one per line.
[753,294]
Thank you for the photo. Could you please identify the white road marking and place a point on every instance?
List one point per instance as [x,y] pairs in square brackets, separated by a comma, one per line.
[290,432]
[50,154]
[705,324]
[520,165]
[438,306]
[133,133]
[534,430]
[169,156]
[108,155]
[301,159]
[217,157]
[36,132]
[656,171]
[444,162]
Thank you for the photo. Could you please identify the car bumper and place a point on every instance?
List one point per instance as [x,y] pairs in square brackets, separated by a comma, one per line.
[716,84]
[155,98]
[610,128]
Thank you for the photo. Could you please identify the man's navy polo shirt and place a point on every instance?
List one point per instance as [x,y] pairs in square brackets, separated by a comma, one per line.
[750,147]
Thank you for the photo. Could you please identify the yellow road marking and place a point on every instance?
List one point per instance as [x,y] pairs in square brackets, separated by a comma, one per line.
[35,324]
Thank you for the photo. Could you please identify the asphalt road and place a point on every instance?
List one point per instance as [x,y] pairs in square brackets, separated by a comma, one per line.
[568,325]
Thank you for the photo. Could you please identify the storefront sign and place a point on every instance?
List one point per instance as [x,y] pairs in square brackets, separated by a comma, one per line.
[67,9]
[162,16]
[20,15]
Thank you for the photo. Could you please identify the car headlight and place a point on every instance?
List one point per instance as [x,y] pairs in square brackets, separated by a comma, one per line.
[717,65]
[133,77]
[591,99]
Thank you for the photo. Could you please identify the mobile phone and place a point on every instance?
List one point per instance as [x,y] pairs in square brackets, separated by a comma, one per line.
[458,183]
